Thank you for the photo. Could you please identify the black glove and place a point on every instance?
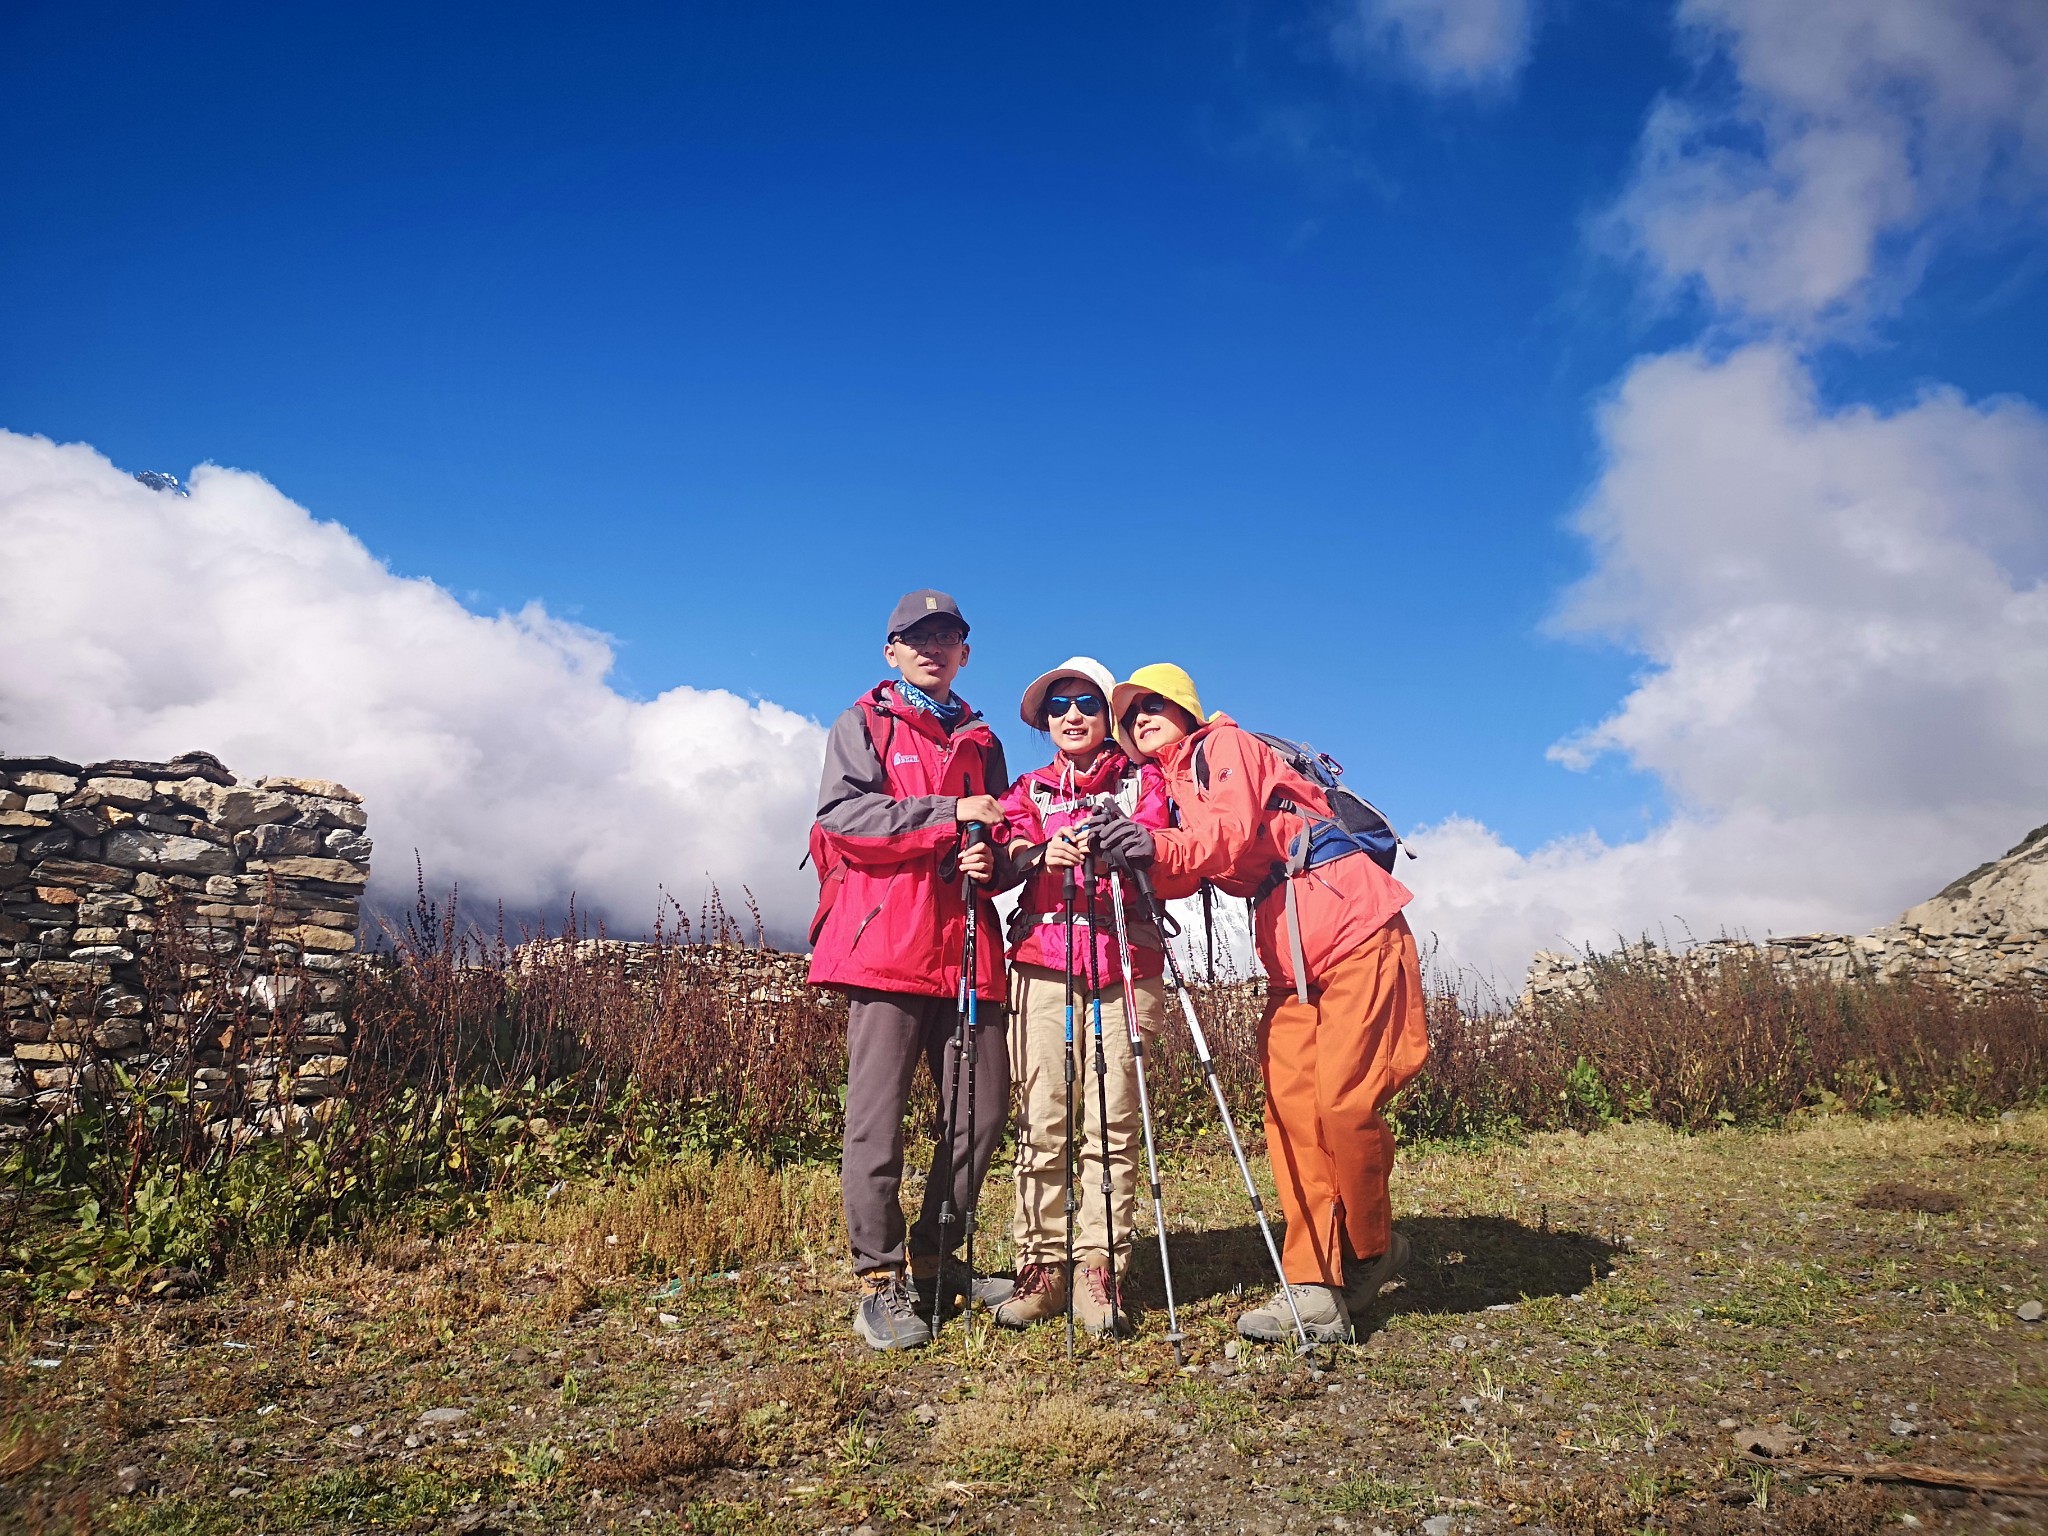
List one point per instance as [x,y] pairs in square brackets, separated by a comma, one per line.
[1119,840]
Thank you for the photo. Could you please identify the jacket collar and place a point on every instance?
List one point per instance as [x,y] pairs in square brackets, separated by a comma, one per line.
[1182,751]
[884,697]
[1110,765]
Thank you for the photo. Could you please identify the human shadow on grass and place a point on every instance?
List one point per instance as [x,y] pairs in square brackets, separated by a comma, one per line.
[1460,1264]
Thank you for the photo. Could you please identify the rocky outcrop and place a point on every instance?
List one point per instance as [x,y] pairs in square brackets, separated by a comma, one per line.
[1985,930]
[254,887]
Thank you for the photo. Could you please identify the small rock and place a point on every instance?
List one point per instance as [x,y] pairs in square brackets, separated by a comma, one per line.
[869,1530]
[1437,1525]
[412,1442]
[522,1356]
[925,1414]
[1730,1424]
[1903,1429]
[2028,1312]
[443,1418]
[668,1320]
[131,1480]
[1469,1405]
[1459,1343]
[357,1431]
[1772,1440]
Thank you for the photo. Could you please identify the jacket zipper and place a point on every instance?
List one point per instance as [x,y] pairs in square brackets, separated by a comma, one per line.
[863,928]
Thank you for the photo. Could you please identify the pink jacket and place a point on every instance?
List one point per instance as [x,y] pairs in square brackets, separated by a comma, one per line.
[1041,803]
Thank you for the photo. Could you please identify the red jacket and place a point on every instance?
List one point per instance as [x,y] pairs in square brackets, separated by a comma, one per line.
[889,917]
[1230,836]
[1040,804]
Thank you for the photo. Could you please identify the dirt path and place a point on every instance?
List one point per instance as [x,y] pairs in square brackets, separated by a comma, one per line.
[1591,1327]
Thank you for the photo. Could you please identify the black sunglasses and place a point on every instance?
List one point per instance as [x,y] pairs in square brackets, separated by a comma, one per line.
[1151,704]
[1057,704]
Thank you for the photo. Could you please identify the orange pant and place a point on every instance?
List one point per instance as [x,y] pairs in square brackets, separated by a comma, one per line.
[1331,1065]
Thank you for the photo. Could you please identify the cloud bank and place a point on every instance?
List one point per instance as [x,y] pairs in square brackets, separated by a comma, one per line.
[1448,45]
[1841,610]
[235,622]
[1846,627]
[1850,135]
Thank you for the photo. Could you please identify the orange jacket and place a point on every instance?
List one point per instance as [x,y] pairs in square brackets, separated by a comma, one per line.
[1229,836]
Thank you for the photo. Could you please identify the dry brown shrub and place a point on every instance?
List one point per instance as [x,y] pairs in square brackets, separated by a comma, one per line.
[1893,1195]
[694,1216]
[789,1412]
[1017,1430]
[26,1444]
[573,1293]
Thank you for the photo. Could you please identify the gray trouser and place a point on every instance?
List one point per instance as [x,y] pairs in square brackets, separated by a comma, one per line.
[886,1034]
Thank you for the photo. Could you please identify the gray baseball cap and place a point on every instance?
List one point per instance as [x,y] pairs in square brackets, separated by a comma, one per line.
[915,607]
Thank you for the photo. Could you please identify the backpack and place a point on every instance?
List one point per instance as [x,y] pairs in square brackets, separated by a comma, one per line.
[1352,818]
[1354,825]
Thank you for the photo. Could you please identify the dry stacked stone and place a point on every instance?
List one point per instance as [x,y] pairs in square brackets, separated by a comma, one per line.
[1984,931]
[262,880]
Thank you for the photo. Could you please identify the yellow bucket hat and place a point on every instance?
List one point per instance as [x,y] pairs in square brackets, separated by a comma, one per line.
[1162,678]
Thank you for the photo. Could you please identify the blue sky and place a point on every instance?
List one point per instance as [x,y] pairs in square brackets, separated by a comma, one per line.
[1161,330]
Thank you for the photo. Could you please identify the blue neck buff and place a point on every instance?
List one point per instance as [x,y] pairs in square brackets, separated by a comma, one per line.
[948,714]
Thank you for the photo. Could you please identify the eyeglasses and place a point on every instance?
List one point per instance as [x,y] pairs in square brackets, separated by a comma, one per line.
[1151,704]
[931,639]
[1057,704]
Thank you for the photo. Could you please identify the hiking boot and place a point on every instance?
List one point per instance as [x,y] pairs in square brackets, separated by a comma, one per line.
[1039,1296]
[1364,1277]
[887,1317]
[1324,1317]
[990,1290]
[1098,1304]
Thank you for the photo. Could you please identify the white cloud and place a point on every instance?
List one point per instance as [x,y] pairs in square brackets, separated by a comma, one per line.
[1852,132]
[1847,627]
[142,624]
[1448,44]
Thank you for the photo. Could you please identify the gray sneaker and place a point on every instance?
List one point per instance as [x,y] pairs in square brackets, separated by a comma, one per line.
[887,1317]
[1364,1277]
[1324,1317]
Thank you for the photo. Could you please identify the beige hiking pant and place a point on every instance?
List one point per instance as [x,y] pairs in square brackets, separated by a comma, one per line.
[1037,1068]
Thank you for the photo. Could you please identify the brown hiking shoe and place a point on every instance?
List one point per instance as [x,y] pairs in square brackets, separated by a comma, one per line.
[1098,1305]
[1364,1277]
[1040,1295]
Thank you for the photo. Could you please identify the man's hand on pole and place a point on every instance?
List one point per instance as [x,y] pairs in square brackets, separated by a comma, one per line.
[977,861]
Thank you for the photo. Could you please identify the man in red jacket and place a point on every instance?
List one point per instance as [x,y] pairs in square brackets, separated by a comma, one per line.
[907,770]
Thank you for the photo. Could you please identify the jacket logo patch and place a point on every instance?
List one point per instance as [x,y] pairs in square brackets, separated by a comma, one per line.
[902,758]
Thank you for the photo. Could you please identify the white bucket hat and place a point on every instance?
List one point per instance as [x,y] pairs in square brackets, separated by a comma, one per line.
[1074,666]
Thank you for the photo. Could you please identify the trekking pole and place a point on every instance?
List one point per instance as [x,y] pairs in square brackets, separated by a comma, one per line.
[1123,953]
[1167,929]
[1072,1151]
[970,979]
[949,1110]
[1101,1099]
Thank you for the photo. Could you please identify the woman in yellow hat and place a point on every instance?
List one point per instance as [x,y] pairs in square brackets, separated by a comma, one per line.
[1344,1028]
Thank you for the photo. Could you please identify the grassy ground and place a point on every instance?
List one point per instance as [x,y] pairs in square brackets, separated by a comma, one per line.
[1590,1323]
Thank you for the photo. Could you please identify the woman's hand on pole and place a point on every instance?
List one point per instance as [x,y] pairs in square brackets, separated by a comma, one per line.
[1064,851]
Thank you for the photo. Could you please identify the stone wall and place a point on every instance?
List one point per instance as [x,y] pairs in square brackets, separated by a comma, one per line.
[110,870]
[1987,929]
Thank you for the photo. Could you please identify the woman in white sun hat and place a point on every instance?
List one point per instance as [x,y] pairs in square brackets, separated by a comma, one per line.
[1045,810]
